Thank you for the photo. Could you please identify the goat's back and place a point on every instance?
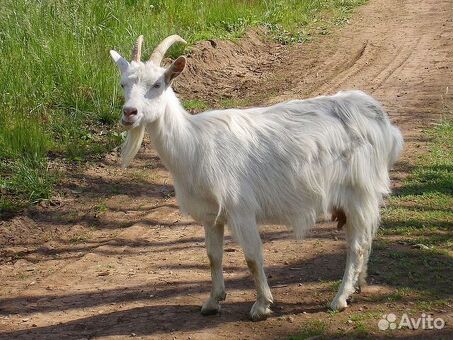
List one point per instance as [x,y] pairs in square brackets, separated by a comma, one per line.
[297,158]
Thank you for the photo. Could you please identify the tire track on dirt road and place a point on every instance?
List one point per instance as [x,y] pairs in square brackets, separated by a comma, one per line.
[406,62]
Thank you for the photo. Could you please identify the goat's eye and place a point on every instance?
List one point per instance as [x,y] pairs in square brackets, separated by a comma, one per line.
[156,85]
[122,86]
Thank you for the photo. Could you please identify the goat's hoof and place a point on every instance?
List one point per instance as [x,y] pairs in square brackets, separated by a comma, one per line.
[222,297]
[213,311]
[210,307]
[338,305]
[259,312]
[361,286]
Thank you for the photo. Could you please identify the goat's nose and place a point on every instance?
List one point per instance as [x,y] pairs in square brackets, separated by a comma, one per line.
[129,111]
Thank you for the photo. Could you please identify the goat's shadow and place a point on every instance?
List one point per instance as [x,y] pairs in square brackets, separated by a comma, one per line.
[158,318]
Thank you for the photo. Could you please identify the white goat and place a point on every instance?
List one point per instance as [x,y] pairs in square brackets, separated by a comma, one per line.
[290,163]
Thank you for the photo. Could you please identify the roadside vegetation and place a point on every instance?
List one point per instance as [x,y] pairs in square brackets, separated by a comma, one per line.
[420,212]
[418,225]
[58,87]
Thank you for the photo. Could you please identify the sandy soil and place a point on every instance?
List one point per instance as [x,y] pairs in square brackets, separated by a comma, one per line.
[110,256]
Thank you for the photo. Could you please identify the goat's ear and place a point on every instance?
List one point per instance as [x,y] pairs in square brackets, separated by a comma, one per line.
[119,60]
[175,69]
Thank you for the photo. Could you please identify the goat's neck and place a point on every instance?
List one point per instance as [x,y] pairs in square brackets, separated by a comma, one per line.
[171,135]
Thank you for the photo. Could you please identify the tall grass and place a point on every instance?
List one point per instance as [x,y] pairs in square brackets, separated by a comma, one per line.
[58,87]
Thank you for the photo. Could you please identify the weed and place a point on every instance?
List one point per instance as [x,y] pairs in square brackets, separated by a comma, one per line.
[195,105]
[78,239]
[334,285]
[28,179]
[226,103]
[310,329]
[360,330]
[101,208]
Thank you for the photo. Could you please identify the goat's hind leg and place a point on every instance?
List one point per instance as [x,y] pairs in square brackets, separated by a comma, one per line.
[214,247]
[357,244]
[361,283]
[246,233]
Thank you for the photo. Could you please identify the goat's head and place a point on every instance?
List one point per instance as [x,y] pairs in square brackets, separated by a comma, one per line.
[145,84]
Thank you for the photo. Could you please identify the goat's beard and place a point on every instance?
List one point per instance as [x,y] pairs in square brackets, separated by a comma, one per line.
[132,144]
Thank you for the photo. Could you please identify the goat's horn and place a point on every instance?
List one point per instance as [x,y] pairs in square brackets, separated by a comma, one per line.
[137,50]
[159,51]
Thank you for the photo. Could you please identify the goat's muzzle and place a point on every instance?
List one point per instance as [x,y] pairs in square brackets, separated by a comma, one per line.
[129,116]
[129,111]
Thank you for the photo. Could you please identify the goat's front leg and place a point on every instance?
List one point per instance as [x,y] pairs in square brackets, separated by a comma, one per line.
[214,247]
[247,235]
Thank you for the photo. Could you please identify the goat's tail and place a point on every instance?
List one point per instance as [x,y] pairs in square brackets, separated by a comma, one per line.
[397,145]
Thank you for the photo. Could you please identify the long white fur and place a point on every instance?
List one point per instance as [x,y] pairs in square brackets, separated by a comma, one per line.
[291,163]
[132,144]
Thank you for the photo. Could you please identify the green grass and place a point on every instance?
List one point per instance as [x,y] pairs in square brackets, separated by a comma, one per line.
[420,212]
[198,105]
[24,181]
[429,270]
[416,239]
[195,105]
[310,328]
[59,88]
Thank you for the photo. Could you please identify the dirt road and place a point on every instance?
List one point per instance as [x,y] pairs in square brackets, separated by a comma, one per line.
[111,257]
